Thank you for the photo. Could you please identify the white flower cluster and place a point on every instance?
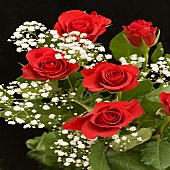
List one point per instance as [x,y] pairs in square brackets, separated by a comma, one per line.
[73,149]
[120,142]
[74,45]
[79,49]
[25,37]
[133,59]
[160,71]
[26,109]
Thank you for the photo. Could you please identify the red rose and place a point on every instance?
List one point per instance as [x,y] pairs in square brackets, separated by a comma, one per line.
[110,77]
[165,101]
[93,25]
[138,30]
[43,65]
[106,119]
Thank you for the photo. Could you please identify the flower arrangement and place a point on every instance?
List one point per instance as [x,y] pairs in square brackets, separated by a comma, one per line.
[98,114]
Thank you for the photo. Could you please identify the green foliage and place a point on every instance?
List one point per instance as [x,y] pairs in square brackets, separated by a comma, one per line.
[158,52]
[98,156]
[150,107]
[154,95]
[131,141]
[157,154]
[40,149]
[129,160]
[143,88]
[121,47]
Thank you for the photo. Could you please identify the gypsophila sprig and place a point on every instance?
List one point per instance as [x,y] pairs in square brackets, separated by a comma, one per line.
[99,114]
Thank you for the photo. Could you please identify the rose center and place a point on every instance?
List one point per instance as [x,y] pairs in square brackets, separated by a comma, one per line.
[48,65]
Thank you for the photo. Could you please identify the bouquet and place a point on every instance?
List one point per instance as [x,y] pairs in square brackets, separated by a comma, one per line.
[99,111]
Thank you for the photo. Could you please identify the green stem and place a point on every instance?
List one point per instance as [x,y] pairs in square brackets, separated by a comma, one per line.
[88,108]
[164,124]
[70,83]
[146,55]
[118,96]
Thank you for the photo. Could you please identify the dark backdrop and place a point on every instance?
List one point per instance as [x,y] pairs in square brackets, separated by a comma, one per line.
[14,12]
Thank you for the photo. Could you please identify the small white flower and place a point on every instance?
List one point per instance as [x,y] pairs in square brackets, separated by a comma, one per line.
[86,163]
[124,137]
[98,100]
[81,146]
[33,122]
[31,29]
[44,94]
[17,108]
[134,134]
[133,57]
[55,99]
[37,116]
[132,128]
[58,56]
[27,126]
[23,85]
[108,56]
[139,139]
[64,131]
[41,41]
[34,84]
[11,122]
[141,59]
[66,163]
[25,95]
[8,113]
[51,116]
[19,120]
[73,61]
[29,104]
[46,107]
[4,98]
[34,111]
[41,125]
[117,140]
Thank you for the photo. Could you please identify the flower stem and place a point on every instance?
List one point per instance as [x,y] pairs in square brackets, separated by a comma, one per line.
[88,108]
[72,89]
[164,124]
[146,55]
[118,96]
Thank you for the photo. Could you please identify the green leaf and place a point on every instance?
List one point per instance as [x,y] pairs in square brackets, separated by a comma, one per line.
[98,156]
[130,142]
[40,148]
[157,154]
[158,52]
[154,95]
[121,47]
[129,160]
[143,88]
[150,107]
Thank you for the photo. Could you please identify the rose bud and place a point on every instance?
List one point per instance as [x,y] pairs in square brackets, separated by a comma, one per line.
[165,101]
[75,20]
[138,30]
[106,119]
[44,66]
[111,77]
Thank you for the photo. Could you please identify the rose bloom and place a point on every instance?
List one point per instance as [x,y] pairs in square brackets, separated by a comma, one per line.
[106,119]
[138,30]
[44,66]
[75,20]
[110,77]
[165,101]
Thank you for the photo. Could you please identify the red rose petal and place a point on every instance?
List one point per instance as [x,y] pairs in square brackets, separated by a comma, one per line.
[77,122]
[91,131]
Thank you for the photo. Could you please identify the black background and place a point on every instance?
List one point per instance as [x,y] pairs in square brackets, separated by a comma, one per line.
[14,12]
